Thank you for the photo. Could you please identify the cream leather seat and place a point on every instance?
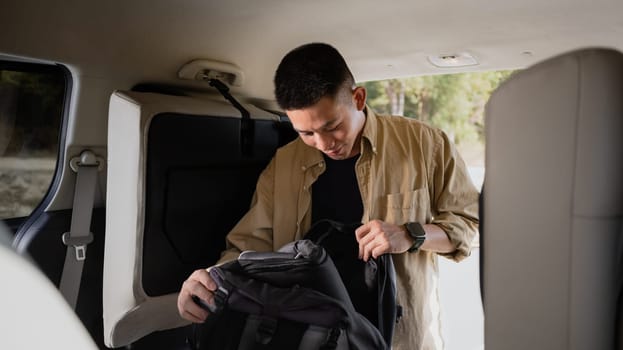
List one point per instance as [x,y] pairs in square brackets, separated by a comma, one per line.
[34,313]
[553,204]
[178,180]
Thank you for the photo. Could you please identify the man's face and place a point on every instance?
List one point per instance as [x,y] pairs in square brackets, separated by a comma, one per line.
[332,125]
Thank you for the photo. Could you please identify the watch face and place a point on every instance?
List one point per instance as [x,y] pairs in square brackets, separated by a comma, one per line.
[416,231]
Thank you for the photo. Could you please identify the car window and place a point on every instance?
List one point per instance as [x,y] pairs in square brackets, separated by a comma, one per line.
[31,108]
[452,102]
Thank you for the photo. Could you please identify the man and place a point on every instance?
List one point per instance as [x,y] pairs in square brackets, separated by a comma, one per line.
[404,180]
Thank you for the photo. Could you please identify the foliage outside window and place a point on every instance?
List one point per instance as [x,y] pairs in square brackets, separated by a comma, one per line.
[31,105]
[454,103]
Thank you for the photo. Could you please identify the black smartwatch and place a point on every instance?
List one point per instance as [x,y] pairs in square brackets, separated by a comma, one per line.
[415,231]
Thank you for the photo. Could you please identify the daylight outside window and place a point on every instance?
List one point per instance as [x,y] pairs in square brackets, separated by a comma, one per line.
[31,107]
[453,102]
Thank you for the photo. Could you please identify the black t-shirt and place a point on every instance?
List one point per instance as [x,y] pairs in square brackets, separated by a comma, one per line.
[335,194]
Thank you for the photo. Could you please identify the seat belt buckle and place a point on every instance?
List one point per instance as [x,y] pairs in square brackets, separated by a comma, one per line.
[79,243]
[81,252]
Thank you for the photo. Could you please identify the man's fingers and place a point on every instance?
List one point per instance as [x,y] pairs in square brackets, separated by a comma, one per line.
[188,309]
[377,238]
[194,287]
[195,313]
[200,285]
[361,231]
[380,249]
[364,235]
[363,245]
[374,245]
[203,277]
[367,248]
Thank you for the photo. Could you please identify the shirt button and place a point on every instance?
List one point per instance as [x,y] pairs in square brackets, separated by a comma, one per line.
[321,165]
[303,168]
[305,187]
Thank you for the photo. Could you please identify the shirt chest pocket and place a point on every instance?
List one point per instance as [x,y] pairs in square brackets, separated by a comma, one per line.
[399,208]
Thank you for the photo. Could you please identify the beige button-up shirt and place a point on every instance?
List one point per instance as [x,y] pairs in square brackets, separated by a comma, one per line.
[407,171]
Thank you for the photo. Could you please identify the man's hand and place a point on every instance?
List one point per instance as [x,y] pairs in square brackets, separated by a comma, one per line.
[201,285]
[378,237]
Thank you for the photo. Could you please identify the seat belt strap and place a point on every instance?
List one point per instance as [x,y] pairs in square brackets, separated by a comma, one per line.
[79,236]
[247,125]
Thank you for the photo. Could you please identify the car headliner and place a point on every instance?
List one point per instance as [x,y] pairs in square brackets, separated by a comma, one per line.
[149,40]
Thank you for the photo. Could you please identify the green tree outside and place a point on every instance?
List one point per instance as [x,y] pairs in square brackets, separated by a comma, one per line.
[454,103]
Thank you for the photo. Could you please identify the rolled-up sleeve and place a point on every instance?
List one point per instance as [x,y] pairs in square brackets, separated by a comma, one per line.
[454,197]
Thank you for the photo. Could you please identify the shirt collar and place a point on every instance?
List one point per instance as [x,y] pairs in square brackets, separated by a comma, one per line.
[312,156]
[369,133]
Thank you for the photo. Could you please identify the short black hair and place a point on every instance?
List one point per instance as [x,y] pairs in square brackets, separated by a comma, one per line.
[309,73]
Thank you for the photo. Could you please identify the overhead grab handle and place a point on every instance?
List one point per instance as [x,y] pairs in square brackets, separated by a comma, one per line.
[205,70]
[219,75]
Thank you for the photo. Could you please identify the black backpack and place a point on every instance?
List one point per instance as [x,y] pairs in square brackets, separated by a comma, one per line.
[371,285]
[290,299]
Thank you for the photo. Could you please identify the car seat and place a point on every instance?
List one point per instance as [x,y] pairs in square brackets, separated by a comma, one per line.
[553,204]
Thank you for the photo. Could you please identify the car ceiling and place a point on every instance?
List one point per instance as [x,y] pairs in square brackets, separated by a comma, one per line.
[149,40]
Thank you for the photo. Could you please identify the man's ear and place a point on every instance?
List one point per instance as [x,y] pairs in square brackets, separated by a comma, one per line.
[359,97]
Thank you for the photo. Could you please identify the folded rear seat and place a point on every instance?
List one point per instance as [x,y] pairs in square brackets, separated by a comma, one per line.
[179,178]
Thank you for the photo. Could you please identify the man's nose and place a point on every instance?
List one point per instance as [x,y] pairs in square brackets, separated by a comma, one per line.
[324,142]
